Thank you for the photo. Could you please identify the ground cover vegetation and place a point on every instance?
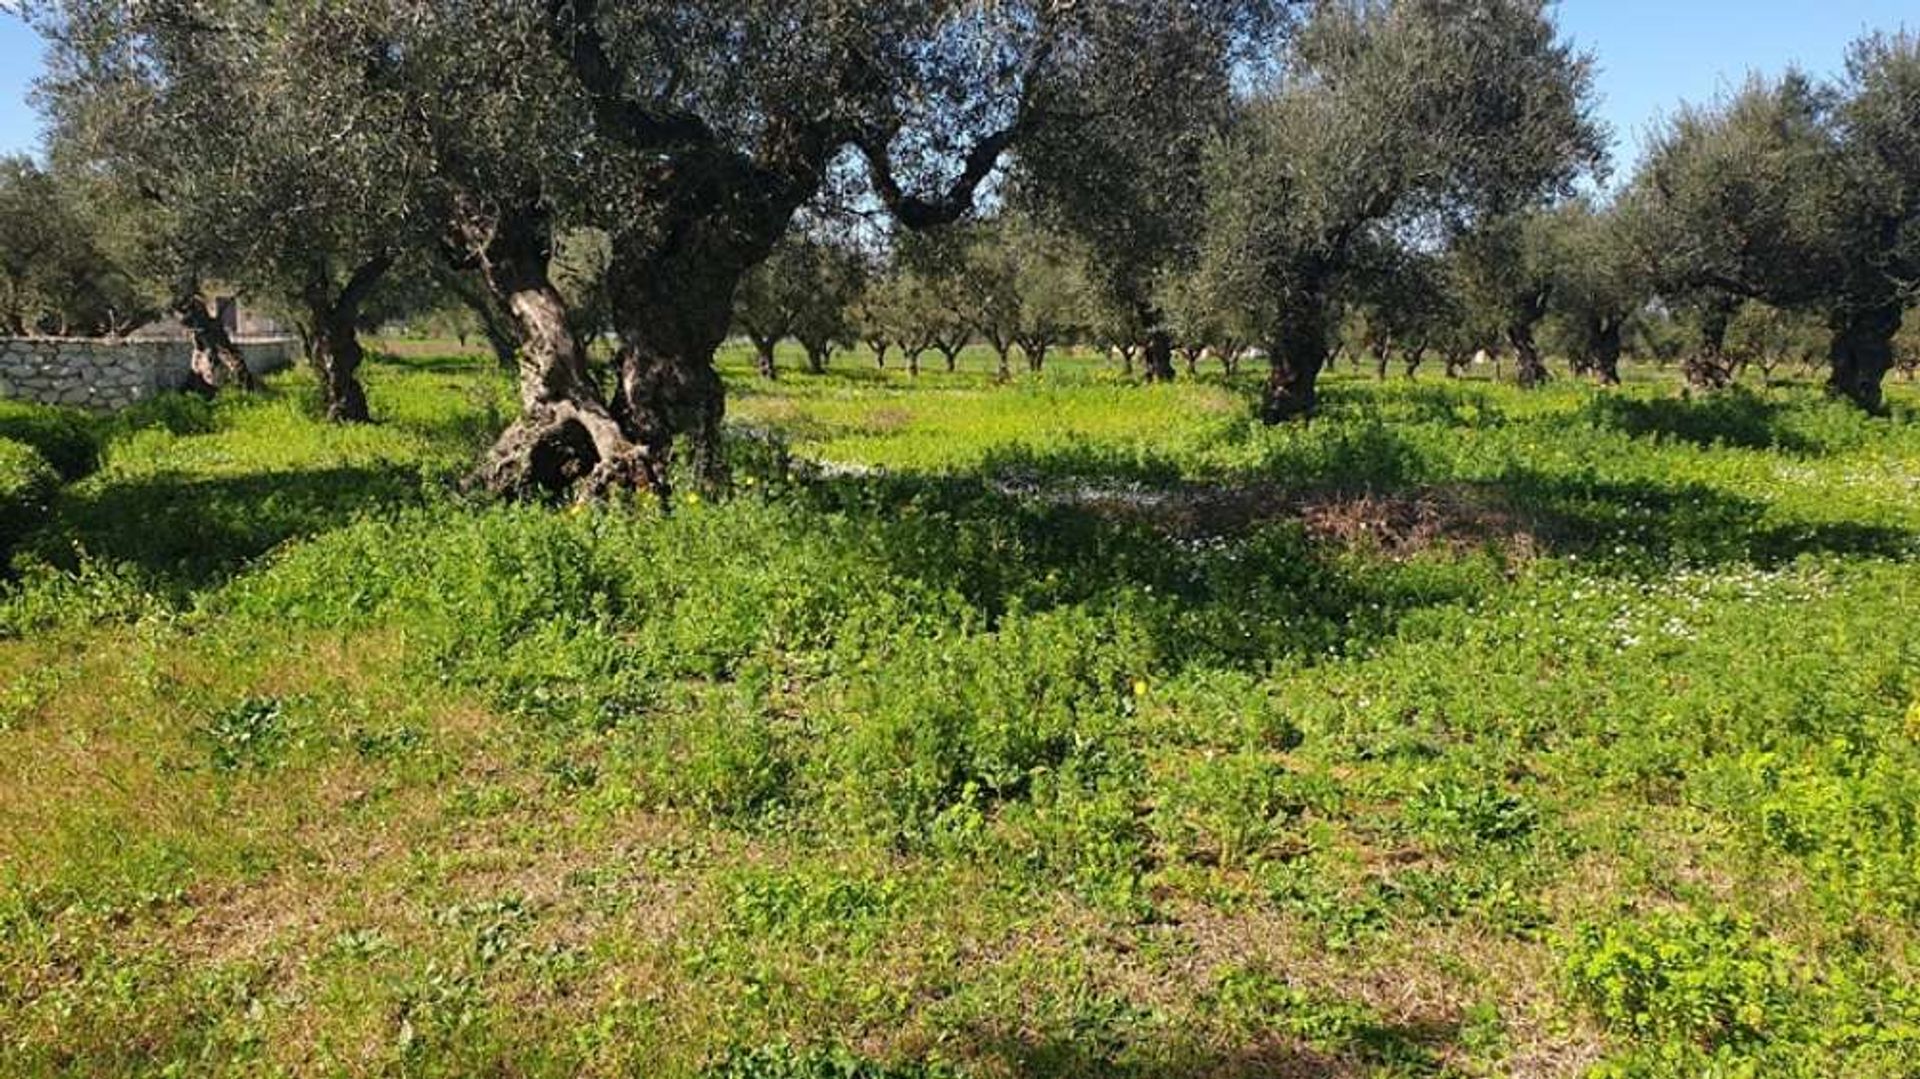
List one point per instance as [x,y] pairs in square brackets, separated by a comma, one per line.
[1043,729]
[919,539]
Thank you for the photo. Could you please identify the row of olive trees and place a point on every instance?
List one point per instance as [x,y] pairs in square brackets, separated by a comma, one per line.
[1219,171]
[1003,282]
[309,150]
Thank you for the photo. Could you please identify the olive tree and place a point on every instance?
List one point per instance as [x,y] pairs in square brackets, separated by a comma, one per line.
[1765,337]
[1803,195]
[703,127]
[56,276]
[263,138]
[1383,117]
[1125,178]
[1596,287]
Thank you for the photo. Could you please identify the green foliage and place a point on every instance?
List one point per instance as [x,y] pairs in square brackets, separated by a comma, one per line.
[786,1062]
[27,483]
[251,734]
[1091,706]
[1688,979]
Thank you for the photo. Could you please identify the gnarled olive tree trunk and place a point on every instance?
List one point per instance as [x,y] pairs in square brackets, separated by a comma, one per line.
[1608,344]
[1862,354]
[335,346]
[1529,367]
[1297,356]
[672,309]
[217,361]
[1156,359]
[1707,367]
[566,435]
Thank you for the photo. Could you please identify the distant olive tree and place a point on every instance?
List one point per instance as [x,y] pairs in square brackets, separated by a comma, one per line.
[1803,195]
[1597,287]
[1383,116]
[56,275]
[265,140]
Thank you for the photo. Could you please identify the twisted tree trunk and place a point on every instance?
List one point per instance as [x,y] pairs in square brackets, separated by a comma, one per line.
[1298,354]
[1608,343]
[1707,368]
[1157,358]
[336,347]
[567,437]
[1862,354]
[1529,368]
[763,349]
[217,361]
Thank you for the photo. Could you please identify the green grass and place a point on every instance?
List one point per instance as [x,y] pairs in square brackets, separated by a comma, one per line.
[1061,728]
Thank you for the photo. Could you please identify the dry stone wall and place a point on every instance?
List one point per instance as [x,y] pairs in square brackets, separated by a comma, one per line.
[106,375]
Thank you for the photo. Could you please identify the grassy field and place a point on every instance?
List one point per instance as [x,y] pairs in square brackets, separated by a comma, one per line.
[1067,728]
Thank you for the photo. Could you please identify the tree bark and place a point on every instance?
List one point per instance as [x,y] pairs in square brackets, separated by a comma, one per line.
[1005,351]
[1608,343]
[763,349]
[336,338]
[880,346]
[1529,368]
[495,325]
[1035,350]
[567,438]
[672,311]
[1707,368]
[1862,354]
[1415,356]
[217,361]
[1298,355]
[1156,360]
[818,356]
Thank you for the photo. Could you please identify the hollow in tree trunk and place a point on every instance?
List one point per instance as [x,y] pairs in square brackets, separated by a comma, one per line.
[1298,354]
[1862,354]
[567,437]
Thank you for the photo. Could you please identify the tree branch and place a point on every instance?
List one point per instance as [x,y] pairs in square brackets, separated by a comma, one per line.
[573,24]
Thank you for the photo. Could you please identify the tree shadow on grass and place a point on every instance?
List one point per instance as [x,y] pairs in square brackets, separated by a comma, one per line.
[1258,563]
[1644,522]
[183,533]
[1737,418]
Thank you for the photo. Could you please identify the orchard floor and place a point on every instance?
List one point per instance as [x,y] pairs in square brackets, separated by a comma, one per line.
[1065,728]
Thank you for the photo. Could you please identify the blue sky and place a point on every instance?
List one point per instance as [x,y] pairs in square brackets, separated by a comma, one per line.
[1653,53]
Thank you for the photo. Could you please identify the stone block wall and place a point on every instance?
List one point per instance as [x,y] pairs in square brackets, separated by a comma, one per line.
[106,375]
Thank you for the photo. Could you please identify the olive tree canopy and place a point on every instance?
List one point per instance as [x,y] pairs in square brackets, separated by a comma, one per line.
[1803,195]
[1413,116]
